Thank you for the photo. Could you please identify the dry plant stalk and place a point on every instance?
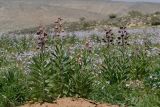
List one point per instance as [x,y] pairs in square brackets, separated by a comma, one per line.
[79,58]
[88,45]
[58,27]
[109,37]
[42,38]
[122,39]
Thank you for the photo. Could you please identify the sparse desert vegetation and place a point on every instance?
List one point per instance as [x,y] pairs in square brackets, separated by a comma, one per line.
[109,62]
[20,14]
[119,66]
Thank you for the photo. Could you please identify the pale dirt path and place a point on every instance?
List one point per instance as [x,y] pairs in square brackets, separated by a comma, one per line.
[70,102]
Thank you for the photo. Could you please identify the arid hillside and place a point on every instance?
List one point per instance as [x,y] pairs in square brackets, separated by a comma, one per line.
[18,14]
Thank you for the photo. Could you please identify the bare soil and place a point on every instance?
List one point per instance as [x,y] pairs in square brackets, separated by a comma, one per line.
[19,14]
[70,102]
